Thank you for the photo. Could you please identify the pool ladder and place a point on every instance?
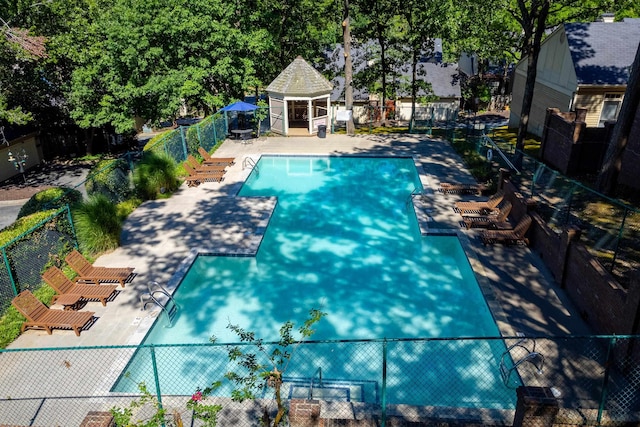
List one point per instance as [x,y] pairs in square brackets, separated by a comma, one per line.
[249,163]
[415,192]
[317,373]
[530,356]
[159,296]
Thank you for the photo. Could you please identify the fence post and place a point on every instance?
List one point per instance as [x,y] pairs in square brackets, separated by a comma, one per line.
[73,229]
[8,266]
[383,421]
[155,376]
[184,142]
[605,379]
[620,232]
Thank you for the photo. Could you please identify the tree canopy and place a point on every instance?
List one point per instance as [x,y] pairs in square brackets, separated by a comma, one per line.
[101,64]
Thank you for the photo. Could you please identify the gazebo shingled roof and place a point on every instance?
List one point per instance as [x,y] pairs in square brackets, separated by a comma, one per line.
[300,79]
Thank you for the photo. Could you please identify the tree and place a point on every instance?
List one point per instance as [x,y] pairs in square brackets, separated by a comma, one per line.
[348,67]
[620,136]
[266,367]
[534,18]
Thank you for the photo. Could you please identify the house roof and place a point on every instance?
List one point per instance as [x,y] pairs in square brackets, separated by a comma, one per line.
[444,77]
[300,79]
[602,52]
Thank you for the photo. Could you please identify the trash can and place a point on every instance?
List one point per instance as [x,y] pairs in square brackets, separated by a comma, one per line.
[322,131]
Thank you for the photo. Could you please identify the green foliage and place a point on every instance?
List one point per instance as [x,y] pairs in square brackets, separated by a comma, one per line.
[154,175]
[51,198]
[11,320]
[97,224]
[256,374]
[110,178]
[155,416]
[22,225]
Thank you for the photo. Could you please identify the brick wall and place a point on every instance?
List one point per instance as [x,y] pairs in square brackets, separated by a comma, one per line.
[569,146]
[606,306]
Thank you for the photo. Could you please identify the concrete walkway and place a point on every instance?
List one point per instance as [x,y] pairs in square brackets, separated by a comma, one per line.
[159,235]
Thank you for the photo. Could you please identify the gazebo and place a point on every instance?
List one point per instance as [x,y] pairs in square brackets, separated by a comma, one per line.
[299,100]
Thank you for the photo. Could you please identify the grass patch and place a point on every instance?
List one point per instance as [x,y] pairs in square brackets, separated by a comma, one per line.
[11,321]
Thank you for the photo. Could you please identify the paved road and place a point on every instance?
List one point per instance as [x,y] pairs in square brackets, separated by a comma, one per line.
[16,192]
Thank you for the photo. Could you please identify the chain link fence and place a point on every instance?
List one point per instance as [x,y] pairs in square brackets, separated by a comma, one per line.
[27,256]
[383,382]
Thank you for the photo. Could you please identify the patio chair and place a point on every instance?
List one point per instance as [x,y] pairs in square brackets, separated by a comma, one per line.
[60,283]
[42,317]
[227,161]
[480,208]
[513,236]
[455,188]
[496,220]
[89,273]
[203,167]
[197,177]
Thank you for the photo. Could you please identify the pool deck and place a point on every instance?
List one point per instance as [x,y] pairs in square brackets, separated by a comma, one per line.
[161,234]
[160,237]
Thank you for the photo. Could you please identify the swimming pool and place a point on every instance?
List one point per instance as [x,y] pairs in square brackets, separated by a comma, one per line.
[343,238]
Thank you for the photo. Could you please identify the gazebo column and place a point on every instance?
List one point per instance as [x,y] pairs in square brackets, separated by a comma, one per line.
[310,116]
[285,117]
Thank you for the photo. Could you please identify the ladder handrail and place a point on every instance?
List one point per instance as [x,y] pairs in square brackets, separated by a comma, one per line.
[154,287]
[248,162]
[531,356]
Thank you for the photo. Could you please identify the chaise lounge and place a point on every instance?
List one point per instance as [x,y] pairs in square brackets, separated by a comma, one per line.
[513,236]
[89,273]
[60,283]
[480,208]
[40,316]
[227,161]
[197,177]
[456,188]
[496,220]
[203,167]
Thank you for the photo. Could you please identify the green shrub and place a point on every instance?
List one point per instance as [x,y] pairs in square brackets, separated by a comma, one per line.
[97,224]
[155,174]
[111,179]
[51,198]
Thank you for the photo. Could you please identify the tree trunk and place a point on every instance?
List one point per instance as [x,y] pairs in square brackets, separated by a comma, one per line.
[414,89]
[617,143]
[537,23]
[348,68]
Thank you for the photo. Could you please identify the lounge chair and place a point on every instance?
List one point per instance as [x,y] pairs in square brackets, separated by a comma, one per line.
[42,317]
[449,188]
[197,177]
[89,273]
[63,286]
[203,167]
[513,236]
[496,220]
[480,208]
[227,161]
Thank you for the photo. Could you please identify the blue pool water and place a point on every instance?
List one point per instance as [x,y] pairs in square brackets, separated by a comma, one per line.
[344,239]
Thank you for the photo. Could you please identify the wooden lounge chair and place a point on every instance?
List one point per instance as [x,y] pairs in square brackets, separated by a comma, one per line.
[89,273]
[197,177]
[60,283]
[203,167]
[480,208]
[227,161]
[450,188]
[516,235]
[42,317]
[497,220]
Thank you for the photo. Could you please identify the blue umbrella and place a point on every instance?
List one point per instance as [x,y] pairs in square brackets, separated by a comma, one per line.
[240,106]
